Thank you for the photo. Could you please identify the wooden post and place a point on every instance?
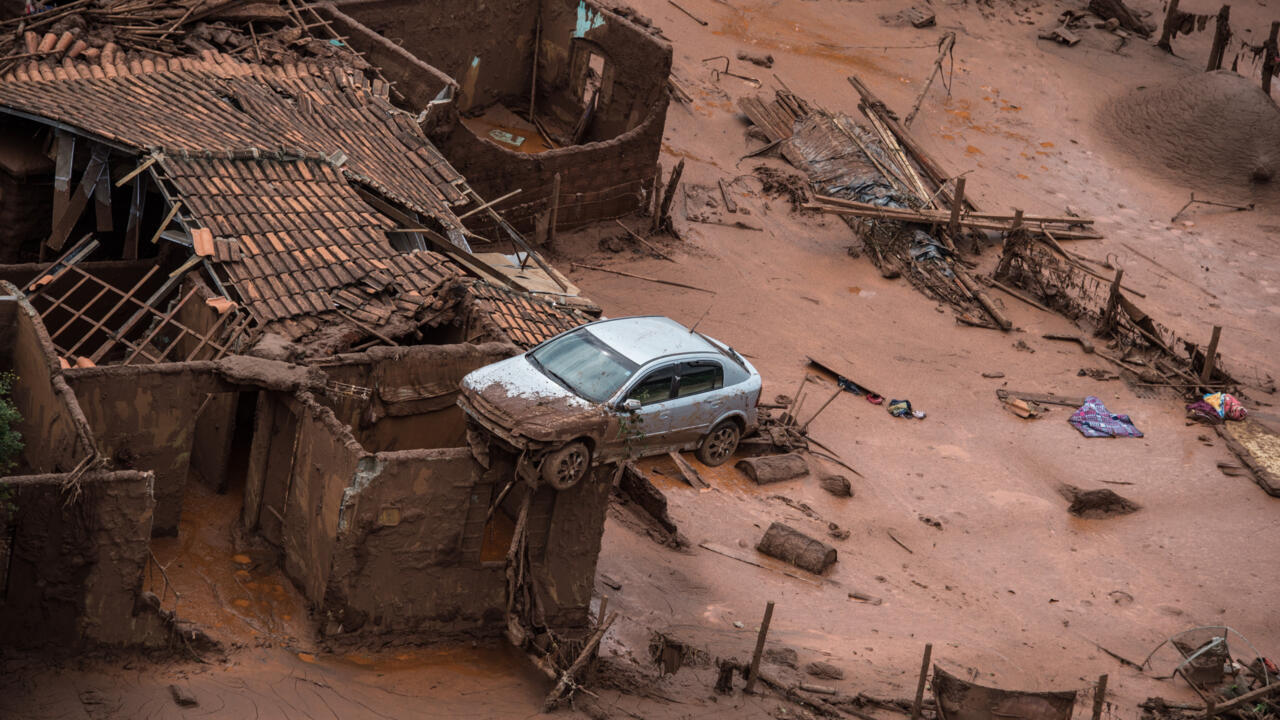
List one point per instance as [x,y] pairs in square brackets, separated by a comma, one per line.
[656,195]
[1113,299]
[755,658]
[664,213]
[1166,35]
[944,47]
[957,204]
[533,81]
[1210,356]
[1270,50]
[1017,220]
[604,603]
[1099,697]
[1221,34]
[924,675]
[555,210]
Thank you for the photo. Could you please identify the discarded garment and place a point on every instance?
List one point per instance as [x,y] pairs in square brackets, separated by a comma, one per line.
[900,408]
[1203,412]
[1225,405]
[1094,420]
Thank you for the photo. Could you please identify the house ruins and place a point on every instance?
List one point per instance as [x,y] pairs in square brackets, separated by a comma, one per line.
[257,247]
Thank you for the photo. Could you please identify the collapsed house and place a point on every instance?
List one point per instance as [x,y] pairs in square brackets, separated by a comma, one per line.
[281,263]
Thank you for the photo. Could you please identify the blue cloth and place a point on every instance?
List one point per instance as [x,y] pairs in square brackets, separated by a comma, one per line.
[1094,420]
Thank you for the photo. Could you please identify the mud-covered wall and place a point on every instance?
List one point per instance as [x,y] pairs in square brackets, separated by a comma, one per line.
[416,82]
[325,463]
[55,433]
[572,545]
[485,47]
[214,426]
[400,564]
[143,418]
[414,391]
[76,566]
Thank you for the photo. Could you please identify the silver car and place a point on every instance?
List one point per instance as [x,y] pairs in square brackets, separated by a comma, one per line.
[613,390]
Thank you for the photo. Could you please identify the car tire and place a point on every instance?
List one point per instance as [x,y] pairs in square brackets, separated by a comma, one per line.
[563,468]
[719,444]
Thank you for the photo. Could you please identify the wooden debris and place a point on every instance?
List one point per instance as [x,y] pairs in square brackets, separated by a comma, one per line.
[652,248]
[695,18]
[773,468]
[642,277]
[729,203]
[690,475]
[786,543]
[721,550]
[945,48]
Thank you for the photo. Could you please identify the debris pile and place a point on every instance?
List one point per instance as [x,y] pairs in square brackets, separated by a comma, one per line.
[122,31]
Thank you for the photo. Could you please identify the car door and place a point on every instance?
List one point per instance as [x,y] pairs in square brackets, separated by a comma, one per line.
[698,400]
[648,426]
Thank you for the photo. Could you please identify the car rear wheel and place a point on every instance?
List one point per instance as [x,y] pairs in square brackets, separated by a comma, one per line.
[719,444]
[563,468]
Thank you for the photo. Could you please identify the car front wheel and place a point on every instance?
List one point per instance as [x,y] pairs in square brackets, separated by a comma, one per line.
[719,444]
[563,468]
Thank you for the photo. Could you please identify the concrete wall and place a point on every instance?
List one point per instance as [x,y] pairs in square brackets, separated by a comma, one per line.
[55,433]
[143,418]
[414,393]
[400,564]
[571,541]
[77,565]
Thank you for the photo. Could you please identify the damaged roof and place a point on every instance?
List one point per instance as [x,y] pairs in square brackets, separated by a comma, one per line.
[526,319]
[265,163]
[295,239]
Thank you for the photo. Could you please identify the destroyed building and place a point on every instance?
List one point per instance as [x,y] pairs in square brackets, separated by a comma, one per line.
[254,265]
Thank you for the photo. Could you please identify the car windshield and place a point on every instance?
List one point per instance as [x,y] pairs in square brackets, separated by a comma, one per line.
[584,364]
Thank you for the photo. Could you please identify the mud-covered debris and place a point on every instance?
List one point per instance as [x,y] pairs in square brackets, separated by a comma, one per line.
[774,468]
[824,670]
[931,522]
[637,486]
[787,543]
[764,60]
[785,184]
[837,485]
[1097,504]
[785,656]
[837,532]
[182,697]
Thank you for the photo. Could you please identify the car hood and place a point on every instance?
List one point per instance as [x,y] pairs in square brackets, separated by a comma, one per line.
[522,399]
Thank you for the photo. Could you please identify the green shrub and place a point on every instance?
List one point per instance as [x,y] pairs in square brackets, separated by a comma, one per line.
[10,418]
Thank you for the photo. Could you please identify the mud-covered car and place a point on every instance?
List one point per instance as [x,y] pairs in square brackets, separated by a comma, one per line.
[612,390]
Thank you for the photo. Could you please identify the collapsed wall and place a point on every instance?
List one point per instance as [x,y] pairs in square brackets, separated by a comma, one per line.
[491,57]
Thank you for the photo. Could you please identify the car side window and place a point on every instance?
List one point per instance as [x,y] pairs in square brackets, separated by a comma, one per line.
[655,387]
[700,376]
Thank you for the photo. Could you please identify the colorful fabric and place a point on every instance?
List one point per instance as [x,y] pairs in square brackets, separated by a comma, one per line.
[1226,405]
[1202,411]
[1094,420]
[900,408]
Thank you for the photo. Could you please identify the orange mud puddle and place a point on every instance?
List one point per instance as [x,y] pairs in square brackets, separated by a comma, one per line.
[507,135]
[232,595]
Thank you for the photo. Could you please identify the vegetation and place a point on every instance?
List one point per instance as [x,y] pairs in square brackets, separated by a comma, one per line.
[10,438]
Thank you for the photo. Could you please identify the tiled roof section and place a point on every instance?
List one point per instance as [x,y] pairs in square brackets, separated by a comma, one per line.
[220,104]
[525,319]
[293,238]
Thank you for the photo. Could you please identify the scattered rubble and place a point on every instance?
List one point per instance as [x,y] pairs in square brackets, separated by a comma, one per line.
[1097,504]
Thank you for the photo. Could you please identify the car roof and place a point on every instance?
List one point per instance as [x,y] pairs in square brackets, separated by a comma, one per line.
[642,339]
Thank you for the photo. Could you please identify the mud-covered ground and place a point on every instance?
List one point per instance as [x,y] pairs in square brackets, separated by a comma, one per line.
[1009,587]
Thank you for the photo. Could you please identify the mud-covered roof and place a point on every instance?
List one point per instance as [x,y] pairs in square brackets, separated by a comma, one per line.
[294,239]
[525,319]
[219,104]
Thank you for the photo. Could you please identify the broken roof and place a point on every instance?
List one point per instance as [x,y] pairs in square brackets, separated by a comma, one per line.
[263,164]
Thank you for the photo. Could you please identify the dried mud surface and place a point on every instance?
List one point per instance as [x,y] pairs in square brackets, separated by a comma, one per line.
[1206,128]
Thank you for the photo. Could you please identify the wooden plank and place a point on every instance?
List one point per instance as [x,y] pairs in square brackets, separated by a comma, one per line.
[99,324]
[149,306]
[66,222]
[204,339]
[134,227]
[690,475]
[164,320]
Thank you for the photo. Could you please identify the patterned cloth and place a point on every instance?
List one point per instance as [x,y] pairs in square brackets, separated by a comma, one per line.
[1204,412]
[1226,405]
[1094,420]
